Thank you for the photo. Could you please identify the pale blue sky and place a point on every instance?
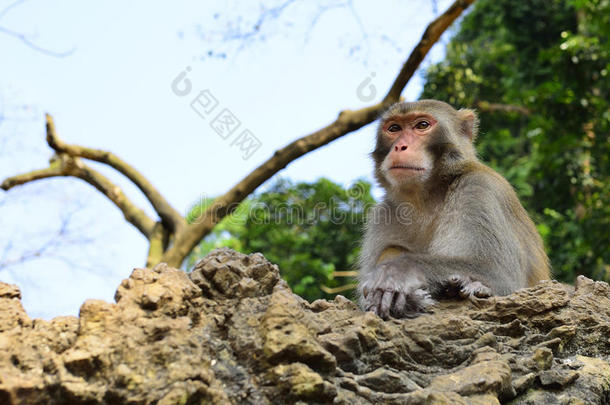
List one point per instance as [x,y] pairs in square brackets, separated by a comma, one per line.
[113,91]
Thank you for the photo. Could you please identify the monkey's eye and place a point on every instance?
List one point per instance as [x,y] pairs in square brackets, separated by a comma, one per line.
[422,125]
[394,128]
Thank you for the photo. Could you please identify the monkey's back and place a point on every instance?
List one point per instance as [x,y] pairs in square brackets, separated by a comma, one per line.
[533,258]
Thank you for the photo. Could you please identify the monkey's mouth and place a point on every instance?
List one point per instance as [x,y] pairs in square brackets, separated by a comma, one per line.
[403,167]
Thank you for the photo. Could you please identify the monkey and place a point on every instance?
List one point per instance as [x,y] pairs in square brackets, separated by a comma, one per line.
[448,225]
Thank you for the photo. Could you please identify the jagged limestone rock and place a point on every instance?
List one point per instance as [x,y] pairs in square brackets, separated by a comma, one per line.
[231,331]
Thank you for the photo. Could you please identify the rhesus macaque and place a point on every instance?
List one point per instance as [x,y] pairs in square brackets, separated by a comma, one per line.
[448,225]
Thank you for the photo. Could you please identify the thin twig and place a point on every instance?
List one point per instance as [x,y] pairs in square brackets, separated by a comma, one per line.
[65,165]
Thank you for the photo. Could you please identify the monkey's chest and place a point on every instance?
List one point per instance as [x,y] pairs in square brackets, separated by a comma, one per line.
[413,236]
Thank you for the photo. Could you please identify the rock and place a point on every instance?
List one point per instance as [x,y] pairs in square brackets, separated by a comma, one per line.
[231,331]
[524,382]
[557,378]
[225,274]
[485,377]
[542,359]
[297,381]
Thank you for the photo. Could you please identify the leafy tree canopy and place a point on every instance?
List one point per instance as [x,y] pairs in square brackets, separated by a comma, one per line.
[311,230]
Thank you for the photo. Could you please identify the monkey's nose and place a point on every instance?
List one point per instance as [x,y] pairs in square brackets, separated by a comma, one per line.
[402,148]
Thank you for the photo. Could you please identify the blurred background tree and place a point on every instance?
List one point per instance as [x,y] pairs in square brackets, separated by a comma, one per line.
[311,230]
[545,63]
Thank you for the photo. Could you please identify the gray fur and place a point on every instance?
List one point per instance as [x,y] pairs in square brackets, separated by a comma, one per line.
[463,230]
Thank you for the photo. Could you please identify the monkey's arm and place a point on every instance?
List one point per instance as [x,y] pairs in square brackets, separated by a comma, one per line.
[402,284]
[379,286]
[384,288]
[450,276]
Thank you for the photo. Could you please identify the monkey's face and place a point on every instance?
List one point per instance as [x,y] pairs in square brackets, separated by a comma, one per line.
[422,141]
[404,138]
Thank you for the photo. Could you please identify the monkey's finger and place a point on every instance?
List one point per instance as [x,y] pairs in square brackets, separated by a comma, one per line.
[475,289]
[375,301]
[371,302]
[483,291]
[386,304]
[376,298]
[400,304]
[423,299]
[466,292]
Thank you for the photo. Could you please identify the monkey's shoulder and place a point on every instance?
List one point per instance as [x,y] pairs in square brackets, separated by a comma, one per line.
[480,176]
[480,189]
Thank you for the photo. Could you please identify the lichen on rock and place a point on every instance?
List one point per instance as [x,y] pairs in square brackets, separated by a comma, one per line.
[231,331]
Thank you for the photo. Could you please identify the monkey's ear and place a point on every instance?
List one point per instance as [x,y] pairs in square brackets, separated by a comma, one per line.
[469,123]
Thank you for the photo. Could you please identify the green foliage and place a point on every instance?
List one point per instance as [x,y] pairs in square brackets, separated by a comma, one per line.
[552,57]
[309,229]
[224,232]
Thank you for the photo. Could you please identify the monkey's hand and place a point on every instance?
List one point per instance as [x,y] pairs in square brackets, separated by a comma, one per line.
[466,287]
[393,290]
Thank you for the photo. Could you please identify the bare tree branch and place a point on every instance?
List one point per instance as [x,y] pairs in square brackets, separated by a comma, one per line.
[54,170]
[335,290]
[431,36]
[347,122]
[65,165]
[345,273]
[159,239]
[167,213]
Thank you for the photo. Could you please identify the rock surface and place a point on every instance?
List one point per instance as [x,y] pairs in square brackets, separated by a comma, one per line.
[232,332]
